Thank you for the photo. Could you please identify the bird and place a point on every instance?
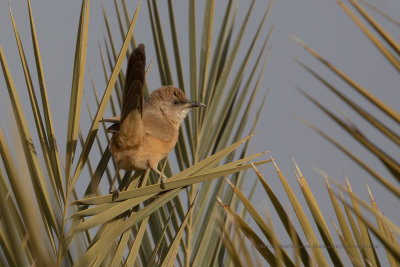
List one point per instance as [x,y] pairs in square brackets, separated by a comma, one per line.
[147,131]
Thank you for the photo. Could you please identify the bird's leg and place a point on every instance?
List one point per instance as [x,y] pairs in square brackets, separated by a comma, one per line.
[114,191]
[162,177]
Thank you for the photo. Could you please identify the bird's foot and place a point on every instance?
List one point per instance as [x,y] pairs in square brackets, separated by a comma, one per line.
[162,180]
[115,193]
[162,177]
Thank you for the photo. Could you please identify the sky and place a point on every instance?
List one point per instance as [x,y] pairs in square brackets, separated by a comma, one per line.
[323,25]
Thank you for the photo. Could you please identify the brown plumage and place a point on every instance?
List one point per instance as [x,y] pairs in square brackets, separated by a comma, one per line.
[147,131]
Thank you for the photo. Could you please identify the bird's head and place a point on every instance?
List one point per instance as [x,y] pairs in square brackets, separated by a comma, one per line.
[173,103]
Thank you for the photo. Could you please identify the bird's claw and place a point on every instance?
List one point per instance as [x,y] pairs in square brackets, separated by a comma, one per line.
[115,193]
[162,180]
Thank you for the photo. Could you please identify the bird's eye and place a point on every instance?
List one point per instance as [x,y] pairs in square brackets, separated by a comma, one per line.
[176,102]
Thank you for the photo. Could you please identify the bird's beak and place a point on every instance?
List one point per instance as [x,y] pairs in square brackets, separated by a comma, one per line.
[194,104]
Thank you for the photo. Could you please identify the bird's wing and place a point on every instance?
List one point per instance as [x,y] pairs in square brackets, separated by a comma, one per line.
[157,127]
[131,124]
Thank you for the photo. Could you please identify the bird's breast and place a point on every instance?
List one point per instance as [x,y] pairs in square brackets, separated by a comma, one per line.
[145,154]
